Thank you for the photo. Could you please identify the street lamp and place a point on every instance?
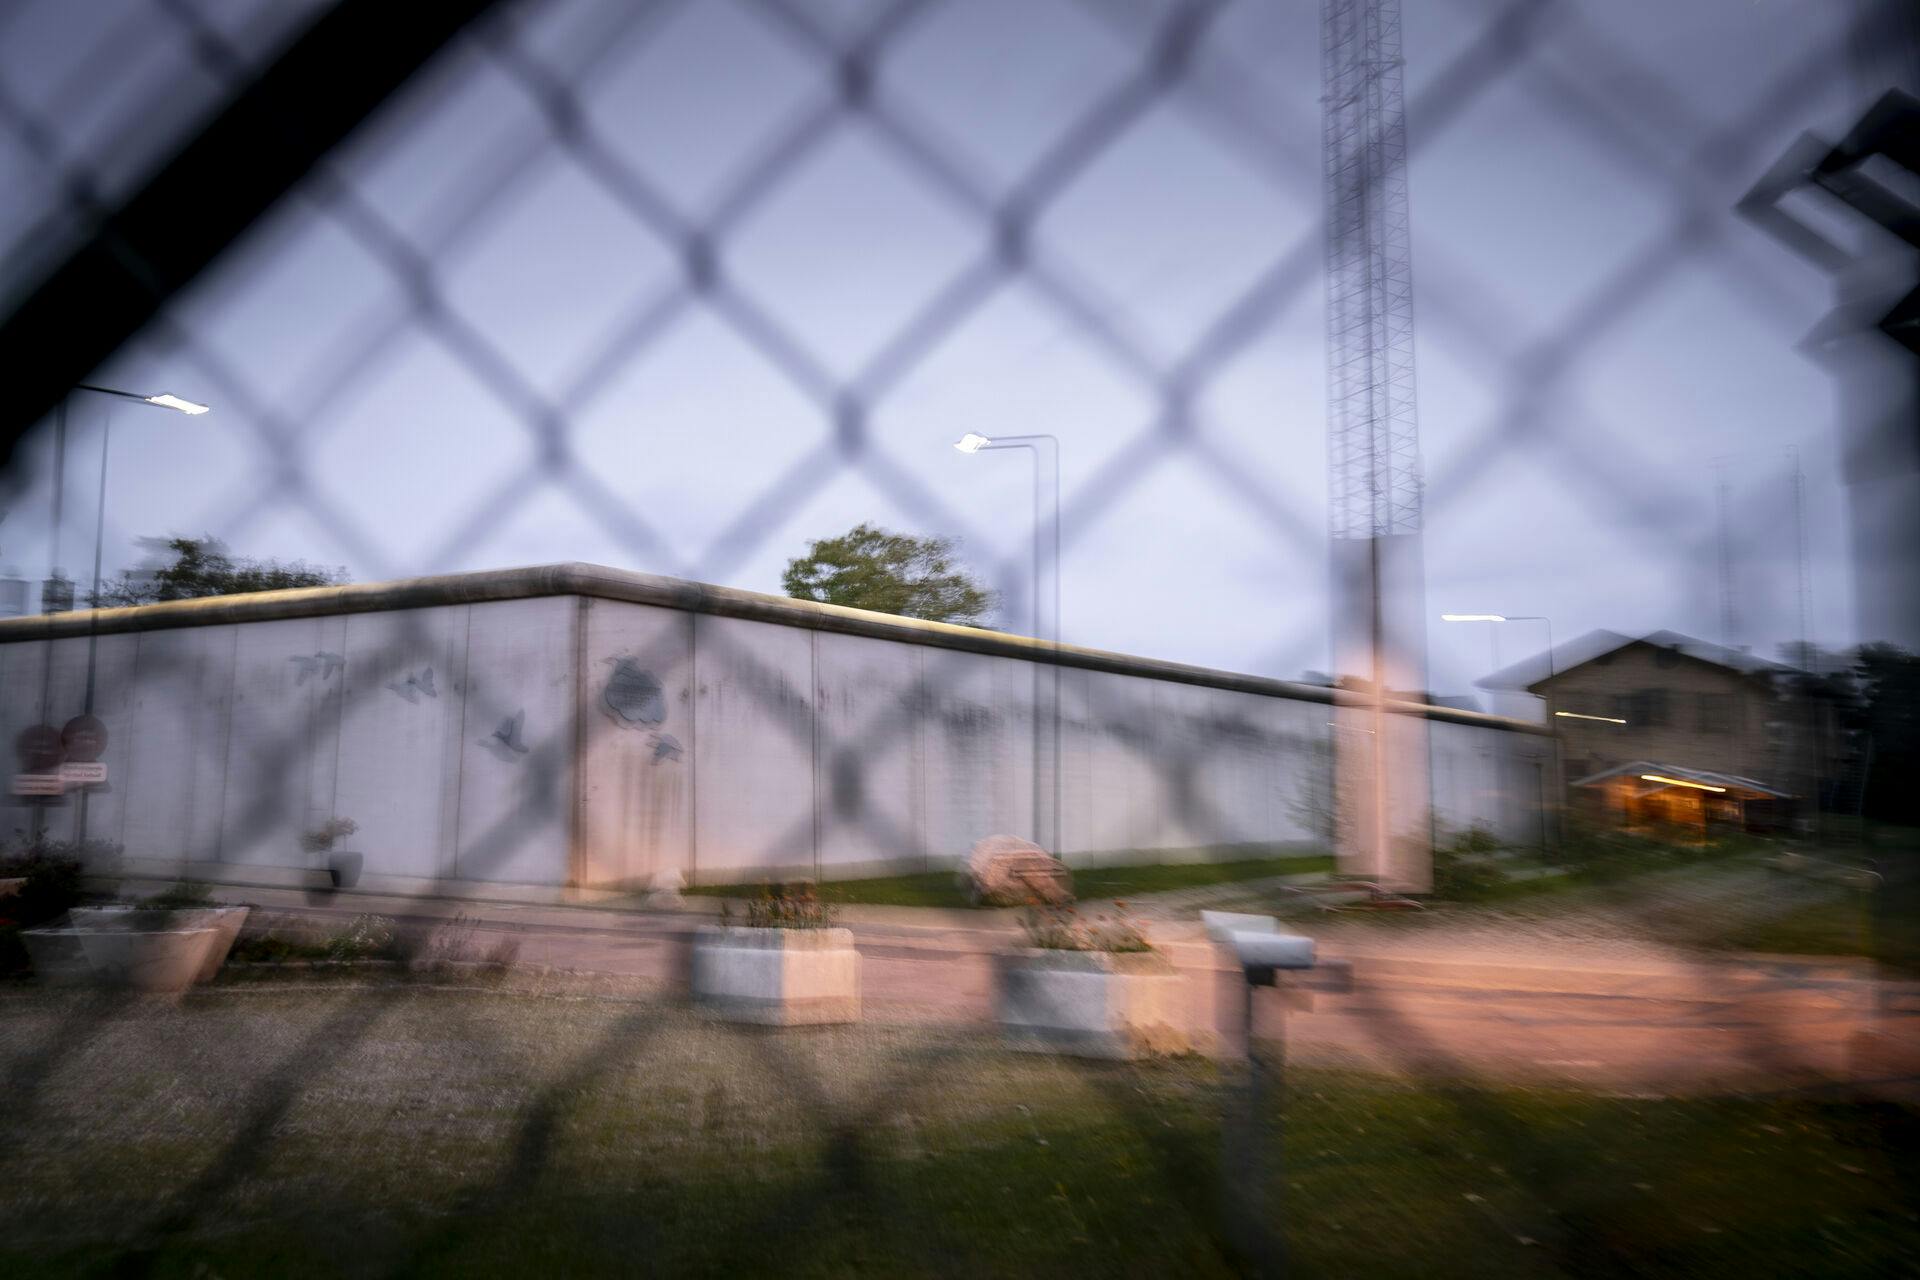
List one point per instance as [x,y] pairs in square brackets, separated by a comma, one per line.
[1508,617]
[973,442]
[192,408]
[1545,701]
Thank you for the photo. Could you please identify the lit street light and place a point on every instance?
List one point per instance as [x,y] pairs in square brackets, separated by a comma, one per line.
[1507,617]
[192,408]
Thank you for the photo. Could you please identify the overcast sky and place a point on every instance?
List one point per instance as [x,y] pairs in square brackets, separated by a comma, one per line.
[1546,192]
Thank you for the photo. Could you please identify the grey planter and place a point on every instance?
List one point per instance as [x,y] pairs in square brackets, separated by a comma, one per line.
[225,921]
[56,955]
[343,869]
[778,977]
[156,960]
[1090,1004]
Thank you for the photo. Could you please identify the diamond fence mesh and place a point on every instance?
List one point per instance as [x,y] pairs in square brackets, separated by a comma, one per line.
[428,423]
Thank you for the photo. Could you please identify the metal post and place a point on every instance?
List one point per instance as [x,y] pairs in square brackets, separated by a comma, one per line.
[59,486]
[93,604]
[1031,444]
[1253,1186]
[99,529]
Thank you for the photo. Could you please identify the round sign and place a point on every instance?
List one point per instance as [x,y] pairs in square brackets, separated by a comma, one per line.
[38,747]
[85,738]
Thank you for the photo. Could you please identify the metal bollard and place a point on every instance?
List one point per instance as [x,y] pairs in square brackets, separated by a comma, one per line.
[1262,950]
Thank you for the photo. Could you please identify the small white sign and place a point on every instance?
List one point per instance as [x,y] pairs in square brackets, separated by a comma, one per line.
[38,784]
[90,773]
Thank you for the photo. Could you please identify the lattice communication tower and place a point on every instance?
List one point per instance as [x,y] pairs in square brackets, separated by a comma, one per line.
[1373,430]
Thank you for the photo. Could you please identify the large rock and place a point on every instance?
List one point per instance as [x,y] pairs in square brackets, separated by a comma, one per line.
[1007,871]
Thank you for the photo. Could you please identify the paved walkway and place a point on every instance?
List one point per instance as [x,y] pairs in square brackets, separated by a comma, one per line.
[1528,1007]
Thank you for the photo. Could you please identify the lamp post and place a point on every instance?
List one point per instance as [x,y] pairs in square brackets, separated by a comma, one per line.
[1510,617]
[1559,780]
[163,401]
[972,442]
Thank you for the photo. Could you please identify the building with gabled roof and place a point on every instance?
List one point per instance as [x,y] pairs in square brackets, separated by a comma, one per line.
[1696,707]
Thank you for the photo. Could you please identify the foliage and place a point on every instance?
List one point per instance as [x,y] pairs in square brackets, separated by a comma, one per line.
[53,871]
[1466,866]
[1888,716]
[1122,880]
[323,837]
[787,906]
[1064,929]
[366,937]
[456,942]
[204,567]
[897,573]
[183,895]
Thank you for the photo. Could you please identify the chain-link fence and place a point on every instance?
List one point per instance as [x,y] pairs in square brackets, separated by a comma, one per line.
[678,286]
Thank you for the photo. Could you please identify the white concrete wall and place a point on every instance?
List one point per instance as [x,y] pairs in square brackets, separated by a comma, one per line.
[720,747]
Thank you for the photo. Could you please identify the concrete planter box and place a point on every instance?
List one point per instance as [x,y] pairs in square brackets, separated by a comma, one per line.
[780,977]
[226,922]
[159,960]
[56,955]
[1090,1004]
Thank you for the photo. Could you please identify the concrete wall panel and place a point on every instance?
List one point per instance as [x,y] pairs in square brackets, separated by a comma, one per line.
[637,696]
[288,683]
[753,753]
[514,775]
[400,733]
[176,769]
[871,759]
[979,752]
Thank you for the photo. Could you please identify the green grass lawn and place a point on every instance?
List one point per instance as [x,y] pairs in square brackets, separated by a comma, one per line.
[406,1130]
[942,888]
[1843,926]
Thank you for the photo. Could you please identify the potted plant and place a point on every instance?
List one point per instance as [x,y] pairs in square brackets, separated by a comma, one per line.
[343,868]
[1091,988]
[785,964]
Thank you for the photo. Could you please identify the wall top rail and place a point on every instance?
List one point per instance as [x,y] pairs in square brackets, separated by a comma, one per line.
[599,582]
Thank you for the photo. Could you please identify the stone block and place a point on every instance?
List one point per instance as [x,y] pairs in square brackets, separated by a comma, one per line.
[779,977]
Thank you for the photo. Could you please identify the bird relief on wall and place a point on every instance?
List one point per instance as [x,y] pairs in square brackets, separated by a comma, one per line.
[417,683]
[508,741]
[322,665]
[635,699]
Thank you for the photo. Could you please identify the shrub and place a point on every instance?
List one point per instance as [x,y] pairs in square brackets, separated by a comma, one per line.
[1060,928]
[1465,866]
[786,906]
[54,871]
[364,938]
[181,895]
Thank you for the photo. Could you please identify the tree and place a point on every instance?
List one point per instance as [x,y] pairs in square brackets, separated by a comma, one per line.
[871,568]
[1888,678]
[204,567]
